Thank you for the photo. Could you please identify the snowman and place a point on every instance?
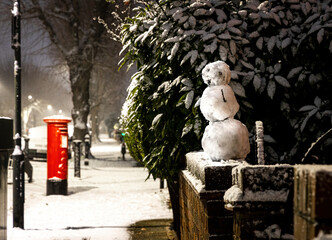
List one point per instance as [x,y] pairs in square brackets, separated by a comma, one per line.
[224,138]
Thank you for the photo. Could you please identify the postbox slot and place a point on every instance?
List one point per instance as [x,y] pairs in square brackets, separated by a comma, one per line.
[63,130]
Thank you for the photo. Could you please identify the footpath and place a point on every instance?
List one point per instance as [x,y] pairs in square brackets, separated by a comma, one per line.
[111,200]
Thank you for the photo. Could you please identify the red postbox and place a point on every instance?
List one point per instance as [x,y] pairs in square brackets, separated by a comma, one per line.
[57,154]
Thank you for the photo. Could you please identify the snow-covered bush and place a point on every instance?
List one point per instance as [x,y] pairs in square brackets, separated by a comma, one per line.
[280,56]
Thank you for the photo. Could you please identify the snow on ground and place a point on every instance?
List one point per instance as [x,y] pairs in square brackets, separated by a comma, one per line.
[99,205]
[110,146]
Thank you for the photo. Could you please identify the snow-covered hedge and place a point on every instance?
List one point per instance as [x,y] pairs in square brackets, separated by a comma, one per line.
[280,56]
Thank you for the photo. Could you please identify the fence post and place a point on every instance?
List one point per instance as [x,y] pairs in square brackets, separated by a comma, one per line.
[260,143]
[162,185]
[27,165]
[77,158]
[87,145]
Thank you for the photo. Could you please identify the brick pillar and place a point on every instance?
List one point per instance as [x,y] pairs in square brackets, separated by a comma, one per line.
[202,187]
[312,201]
[261,201]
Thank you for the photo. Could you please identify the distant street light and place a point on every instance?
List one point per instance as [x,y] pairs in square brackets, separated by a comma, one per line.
[49,107]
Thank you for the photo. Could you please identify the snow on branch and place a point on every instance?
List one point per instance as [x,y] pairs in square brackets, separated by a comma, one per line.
[113,35]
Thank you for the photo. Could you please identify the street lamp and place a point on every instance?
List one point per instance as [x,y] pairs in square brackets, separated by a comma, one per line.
[18,157]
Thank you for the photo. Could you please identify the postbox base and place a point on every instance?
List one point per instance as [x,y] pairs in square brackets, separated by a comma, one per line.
[57,187]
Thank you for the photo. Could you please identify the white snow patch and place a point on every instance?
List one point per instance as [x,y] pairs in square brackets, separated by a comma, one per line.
[17,150]
[324,236]
[17,136]
[103,149]
[16,67]
[174,51]
[101,204]
[55,179]
[60,117]
[15,10]
[233,194]
[199,186]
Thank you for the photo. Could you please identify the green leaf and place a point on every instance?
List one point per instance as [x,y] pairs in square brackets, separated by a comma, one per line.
[318,101]
[271,88]
[269,139]
[247,65]
[271,43]
[156,120]
[238,88]
[187,128]
[307,108]
[311,113]
[282,81]
[257,82]
[189,99]
[294,72]
[259,43]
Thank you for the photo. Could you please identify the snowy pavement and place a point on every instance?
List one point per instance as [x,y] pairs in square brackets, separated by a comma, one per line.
[110,196]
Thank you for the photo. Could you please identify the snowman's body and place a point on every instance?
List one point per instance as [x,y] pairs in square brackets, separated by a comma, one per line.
[216,96]
[224,138]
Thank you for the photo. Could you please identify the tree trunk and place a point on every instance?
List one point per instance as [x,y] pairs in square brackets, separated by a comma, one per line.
[79,75]
[95,123]
[173,188]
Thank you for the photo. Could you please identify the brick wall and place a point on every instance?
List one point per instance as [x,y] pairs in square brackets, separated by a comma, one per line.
[202,188]
[203,215]
[262,202]
[312,201]
[193,212]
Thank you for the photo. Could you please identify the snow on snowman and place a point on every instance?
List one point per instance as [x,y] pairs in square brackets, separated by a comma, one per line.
[225,138]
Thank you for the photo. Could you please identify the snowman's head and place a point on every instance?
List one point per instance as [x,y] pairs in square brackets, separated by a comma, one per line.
[216,73]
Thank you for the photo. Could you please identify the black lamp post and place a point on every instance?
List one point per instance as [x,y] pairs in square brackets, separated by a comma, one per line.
[18,157]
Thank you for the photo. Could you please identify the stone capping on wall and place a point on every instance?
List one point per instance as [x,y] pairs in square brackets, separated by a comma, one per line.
[261,200]
[256,184]
[213,175]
